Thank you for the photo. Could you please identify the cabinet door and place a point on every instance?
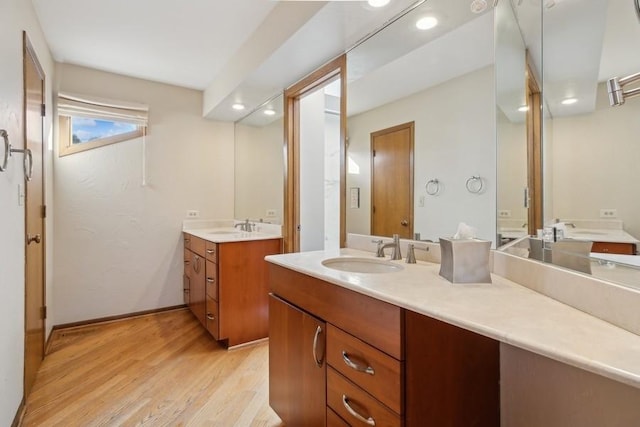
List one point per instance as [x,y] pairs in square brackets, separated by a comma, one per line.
[297,369]
[197,286]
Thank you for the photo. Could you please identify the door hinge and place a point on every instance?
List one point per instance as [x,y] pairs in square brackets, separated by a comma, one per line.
[44,211]
[374,153]
[374,209]
[43,312]
[44,110]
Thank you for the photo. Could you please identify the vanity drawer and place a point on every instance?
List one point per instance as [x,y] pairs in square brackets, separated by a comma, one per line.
[187,262]
[211,250]
[374,371]
[186,288]
[212,317]
[614,248]
[212,280]
[354,405]
[195,244]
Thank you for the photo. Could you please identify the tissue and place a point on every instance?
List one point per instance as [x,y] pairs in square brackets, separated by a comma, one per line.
[465,259]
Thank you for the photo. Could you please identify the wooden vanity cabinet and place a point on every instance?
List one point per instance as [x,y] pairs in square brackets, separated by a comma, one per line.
[229,293]
[385,365]
[296,355]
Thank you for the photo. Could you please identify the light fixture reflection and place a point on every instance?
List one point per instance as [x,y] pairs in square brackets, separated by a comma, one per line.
[524,108]
[238,107]
[378,3]
[569,101]
[426,23]
[269,112]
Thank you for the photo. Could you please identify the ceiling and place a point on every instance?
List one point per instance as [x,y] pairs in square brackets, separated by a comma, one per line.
[233,50]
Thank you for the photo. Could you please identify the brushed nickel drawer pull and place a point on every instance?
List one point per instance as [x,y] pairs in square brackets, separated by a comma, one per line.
[187,240]
[211,251]
[369,421]
[315,347]
[366,369]
[211,316]
[211,280]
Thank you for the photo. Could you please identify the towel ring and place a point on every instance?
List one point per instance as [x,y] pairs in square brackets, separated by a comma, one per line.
[475,184]
[432,187]
[7,150]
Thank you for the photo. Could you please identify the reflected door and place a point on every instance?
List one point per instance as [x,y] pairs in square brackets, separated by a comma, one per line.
[392,181]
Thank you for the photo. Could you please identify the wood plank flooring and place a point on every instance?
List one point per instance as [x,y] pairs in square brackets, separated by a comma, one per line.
[156,370]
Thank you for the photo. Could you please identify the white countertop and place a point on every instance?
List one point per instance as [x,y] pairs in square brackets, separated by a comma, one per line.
[502,310]
[600,235]
[229,234]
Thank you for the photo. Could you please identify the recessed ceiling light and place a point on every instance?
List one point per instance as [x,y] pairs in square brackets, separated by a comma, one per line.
[238,107]
[269,112]
[569,101]
[524,108]
[378,3]
[426,23]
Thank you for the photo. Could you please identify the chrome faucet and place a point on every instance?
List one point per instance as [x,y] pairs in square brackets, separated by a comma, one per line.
[396,254]
[570,224]
[411,254]
[244,226]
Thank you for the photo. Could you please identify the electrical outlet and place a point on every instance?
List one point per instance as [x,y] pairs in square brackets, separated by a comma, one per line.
[504,213]
[193,214]
[608,213]
[271,212]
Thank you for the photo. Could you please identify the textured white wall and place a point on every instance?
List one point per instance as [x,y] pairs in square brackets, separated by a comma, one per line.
[118,243]
[595,162]
[16,16]
[259,174]
[512,166]
[455,138]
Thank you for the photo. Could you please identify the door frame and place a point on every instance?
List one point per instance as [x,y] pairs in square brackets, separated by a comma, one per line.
[534,151]
[337,68]
[29,54]
[411,127]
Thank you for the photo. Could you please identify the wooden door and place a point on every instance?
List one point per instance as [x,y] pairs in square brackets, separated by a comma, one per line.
[297,368]
[534,154]
[392,181]
[35,311]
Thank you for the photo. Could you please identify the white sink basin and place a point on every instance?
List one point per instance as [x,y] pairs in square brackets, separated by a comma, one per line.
[590,232]
[224,232]
[361,265]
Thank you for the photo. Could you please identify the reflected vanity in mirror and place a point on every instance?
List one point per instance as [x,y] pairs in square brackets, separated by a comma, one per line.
[590,147]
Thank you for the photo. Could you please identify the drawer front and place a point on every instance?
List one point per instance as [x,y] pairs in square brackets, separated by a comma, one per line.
[356,406]
[187,262]
[212,317]
[195,244]
[211,250]
[614,248]
[333,420]
[374,371]
[212,280]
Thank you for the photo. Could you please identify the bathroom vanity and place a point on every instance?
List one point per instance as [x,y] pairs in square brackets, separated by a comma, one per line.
[409,348]
[225,282]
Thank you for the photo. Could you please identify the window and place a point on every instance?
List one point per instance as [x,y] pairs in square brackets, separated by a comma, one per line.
[87,123]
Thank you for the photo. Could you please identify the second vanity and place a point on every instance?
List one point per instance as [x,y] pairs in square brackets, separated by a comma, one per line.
[225,281]
[409,348]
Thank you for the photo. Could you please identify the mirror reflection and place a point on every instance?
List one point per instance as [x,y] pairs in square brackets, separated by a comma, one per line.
[421,125]
[590,146]
[259,164]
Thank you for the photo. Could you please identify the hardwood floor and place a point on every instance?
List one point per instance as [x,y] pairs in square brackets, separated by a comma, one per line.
[156,370]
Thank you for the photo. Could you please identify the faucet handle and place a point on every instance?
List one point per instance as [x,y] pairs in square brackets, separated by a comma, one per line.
[379,250]
[411,254]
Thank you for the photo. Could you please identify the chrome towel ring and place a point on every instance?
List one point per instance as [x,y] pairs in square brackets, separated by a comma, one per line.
[432,187]
[475,184]
[7,150]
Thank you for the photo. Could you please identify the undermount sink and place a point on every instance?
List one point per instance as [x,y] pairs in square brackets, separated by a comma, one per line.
[591,232]
[361,265]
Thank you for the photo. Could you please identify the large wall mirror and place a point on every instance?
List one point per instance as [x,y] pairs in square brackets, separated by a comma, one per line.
[590,147]
[421,127]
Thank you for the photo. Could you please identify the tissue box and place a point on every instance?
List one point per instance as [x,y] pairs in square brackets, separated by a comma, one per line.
[465,260]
